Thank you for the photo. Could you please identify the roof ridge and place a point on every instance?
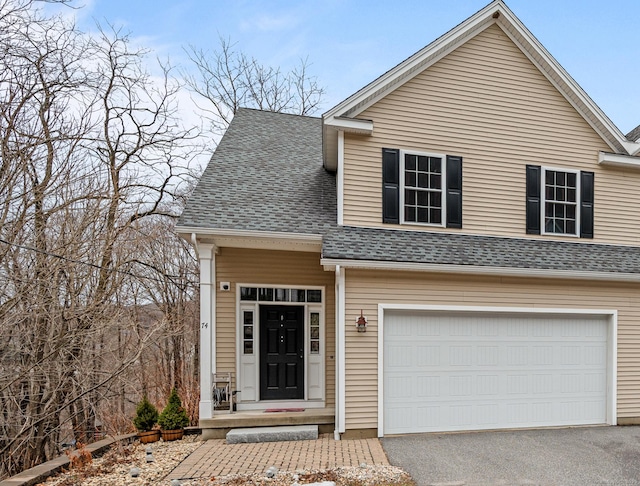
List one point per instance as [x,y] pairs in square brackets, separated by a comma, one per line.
[248,108]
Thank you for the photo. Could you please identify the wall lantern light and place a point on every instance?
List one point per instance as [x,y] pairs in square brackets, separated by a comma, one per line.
[361,323]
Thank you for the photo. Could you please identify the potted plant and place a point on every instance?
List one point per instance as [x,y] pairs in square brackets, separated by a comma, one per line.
[146,417]
[173,418]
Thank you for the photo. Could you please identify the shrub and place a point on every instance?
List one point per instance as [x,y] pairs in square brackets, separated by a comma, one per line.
[146,416]
[173,416]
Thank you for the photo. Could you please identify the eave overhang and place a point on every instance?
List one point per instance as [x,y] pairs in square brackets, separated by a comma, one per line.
[262,240]
[619,160]
[330,128]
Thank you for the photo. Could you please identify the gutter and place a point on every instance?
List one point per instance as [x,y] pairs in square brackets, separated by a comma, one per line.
[331,264]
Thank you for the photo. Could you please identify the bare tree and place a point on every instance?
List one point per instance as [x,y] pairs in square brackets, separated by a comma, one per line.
[90,149]
[227,80]
[98,296]
[172,360]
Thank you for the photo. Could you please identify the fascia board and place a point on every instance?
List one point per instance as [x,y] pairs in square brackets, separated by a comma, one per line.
[252,239]
[351,125]
[632,148]
[247,233]
[618,160]
[329,263]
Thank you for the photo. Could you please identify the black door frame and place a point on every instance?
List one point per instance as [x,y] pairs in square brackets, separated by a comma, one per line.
[284,357]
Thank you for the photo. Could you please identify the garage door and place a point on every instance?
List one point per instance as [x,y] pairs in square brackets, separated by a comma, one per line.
[446,372]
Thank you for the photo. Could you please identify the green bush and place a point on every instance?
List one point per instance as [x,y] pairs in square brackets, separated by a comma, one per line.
[146,415]
[173,416]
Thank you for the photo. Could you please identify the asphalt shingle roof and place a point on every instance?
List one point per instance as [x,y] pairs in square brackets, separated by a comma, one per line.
[634,134]
[266,175]
[386,245]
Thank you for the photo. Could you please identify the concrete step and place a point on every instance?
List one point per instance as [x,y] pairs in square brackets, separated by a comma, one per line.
[272,434]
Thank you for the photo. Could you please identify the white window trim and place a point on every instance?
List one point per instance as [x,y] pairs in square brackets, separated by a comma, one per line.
[309,307]
[543,200]
[443,188]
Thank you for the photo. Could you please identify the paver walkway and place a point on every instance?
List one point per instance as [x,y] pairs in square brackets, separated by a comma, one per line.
[217,458]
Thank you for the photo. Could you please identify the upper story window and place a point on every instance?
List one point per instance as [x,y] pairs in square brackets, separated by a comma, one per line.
[423,176]
[559,201]
[421,188]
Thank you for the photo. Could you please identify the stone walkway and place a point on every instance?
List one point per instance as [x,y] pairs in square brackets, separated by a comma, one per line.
[217,458]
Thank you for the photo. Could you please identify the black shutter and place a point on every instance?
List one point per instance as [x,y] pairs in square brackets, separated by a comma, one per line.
[391,186]
[533,199]
[586,204]
[454,191]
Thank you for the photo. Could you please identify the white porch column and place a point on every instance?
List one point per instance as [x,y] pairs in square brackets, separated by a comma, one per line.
[207,257]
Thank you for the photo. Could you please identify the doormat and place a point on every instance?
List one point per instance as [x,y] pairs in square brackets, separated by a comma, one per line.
[270,410]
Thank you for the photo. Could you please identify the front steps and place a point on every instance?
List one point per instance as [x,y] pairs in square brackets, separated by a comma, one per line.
[218,426]
[272,434]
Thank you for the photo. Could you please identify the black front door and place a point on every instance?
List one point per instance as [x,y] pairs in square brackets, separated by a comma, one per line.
[281,352]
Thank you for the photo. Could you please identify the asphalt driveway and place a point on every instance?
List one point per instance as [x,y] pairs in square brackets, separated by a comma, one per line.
[576,456]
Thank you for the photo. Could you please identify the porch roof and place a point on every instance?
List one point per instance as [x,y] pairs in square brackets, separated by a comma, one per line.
[265,175]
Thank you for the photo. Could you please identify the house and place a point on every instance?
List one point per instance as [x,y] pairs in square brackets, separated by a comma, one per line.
[472,205]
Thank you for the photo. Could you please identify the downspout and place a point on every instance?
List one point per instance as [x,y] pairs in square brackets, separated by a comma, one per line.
[340,354]
[340,178]
[194,242]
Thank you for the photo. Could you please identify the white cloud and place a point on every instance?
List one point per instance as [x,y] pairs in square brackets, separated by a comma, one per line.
[271,23]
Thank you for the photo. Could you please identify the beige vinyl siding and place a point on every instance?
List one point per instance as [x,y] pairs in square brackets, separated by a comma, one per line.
[270,268]
[488,103]
[366,289]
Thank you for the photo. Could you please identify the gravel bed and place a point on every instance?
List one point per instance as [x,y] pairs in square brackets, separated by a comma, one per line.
[341,476]
[114,468]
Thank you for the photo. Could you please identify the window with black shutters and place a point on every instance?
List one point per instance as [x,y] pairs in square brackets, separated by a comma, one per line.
[559,201]
[421,188]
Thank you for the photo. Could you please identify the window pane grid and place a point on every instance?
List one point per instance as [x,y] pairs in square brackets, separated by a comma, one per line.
[423,189]
[268,294]
[247,341]
[560,202]
[314,333]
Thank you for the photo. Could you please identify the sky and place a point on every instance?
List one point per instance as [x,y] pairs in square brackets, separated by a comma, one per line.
[349,43]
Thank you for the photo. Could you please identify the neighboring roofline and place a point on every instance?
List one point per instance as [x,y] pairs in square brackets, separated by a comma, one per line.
[271,240]
[494,13]
[331,263]
[634,135]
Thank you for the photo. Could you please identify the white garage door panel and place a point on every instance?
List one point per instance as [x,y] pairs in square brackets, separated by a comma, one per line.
[462,372]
